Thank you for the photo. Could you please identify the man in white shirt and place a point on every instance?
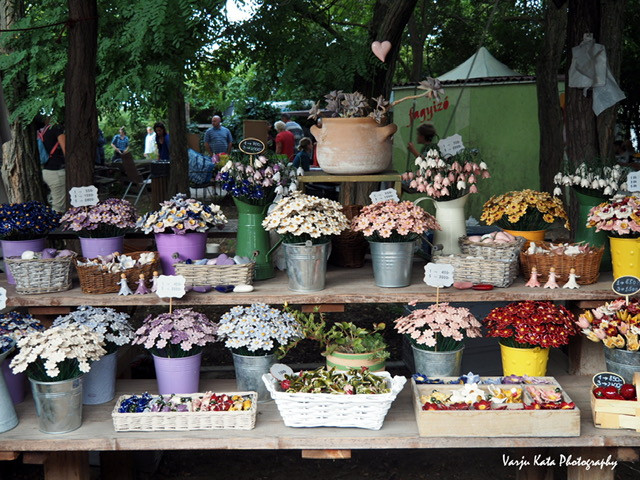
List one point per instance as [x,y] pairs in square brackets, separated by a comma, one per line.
[149,143]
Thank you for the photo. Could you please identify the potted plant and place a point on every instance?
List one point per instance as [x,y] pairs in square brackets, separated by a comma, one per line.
[448,183]
[176,341]
[253,334]
[617,325]
[55,361]
[179,227]
[101,227]
[527,330]
[524,213]
[99,384]
[8,416]
[24,226]
[391,228]
[305,223]
[619,218]
[437,334]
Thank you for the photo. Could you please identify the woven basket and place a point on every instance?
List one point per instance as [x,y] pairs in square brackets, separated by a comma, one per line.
[157,421]
[328,410]
[587,265]
[499,273]
[349,248]
[216,274]
[491,250]
[95,280]
[43,275]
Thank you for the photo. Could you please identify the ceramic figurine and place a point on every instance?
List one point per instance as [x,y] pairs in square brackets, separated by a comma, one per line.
[124,287]
[142,288]
[154,282]
[572,283]
[551,282]
[533,280]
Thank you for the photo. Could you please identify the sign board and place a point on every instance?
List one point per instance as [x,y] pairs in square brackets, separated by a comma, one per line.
[607,379]
[279,370]
[84,196]
[438,274]
[451,145]
[384,195]
[626,286]
[633,182]
[3,298]
[171,286]
[252,146]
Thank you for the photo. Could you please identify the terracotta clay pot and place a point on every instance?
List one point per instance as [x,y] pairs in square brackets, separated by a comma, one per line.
[353,146]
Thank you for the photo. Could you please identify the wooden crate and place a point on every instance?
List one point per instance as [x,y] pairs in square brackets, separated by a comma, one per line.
[493,423]
[617,413]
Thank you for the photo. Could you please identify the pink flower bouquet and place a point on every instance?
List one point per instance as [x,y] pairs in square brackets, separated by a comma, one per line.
[110,218]
[393,221]
[619,217]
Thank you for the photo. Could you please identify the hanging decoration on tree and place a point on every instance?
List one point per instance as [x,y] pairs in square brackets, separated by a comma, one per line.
[381,49]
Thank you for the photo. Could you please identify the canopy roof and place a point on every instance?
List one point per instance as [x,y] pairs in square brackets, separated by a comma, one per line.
[485,65]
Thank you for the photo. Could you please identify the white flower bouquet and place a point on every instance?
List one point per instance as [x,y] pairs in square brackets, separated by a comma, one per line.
[593,179]
[59,353]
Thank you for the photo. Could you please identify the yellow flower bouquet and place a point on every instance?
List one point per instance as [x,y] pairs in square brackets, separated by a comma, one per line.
[524,210]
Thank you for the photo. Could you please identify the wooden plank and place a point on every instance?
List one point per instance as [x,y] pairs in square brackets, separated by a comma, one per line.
[323,308]
[34,458]
[9,456]
[326,454]
[582,472]
[67,466]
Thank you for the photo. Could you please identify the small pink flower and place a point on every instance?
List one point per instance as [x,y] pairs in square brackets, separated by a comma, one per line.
[473,189]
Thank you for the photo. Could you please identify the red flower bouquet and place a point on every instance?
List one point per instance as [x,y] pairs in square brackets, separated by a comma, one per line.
[530,324]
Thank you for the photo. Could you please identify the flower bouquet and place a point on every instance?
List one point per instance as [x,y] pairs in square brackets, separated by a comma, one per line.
[27,221]
[619,217]
[593,179]
[109,218]
[17,325]
[6,344]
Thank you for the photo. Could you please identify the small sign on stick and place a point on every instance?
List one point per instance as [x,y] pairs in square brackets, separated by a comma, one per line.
[608,379]
[450,146]
[438,274]
[84,196]
[633,182]
[626,286]
[252,146]
[384,195]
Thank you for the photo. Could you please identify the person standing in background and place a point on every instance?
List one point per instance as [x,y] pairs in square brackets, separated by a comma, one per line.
[293,127]
[100,148]
[285,141]
[303,157]
[424,136]
[120,144]
[149,143]
[53,172]
[162,141]
[218,138]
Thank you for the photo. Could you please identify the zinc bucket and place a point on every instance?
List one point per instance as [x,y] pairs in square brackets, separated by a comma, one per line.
[437,364]
[58,405]
[392,262]
[306,266]
[100,383]
[622,362]
[249,370]
[524,361]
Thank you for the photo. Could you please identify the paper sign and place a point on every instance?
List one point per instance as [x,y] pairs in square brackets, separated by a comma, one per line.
[3,298]
[279,370]
[633,182]
[171,286]
[384,195]
[607,379]
[438,274]
[451,145]
[84,196]
[627,285]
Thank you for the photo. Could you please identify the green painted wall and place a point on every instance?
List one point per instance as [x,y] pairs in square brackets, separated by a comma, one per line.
[501,120]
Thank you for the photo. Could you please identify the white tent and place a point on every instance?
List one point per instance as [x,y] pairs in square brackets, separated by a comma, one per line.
[485,65]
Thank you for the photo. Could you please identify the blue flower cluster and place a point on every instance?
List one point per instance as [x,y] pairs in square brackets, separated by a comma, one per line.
[6,343]
[27,221]
[242,188]
[17,325]
[136,404]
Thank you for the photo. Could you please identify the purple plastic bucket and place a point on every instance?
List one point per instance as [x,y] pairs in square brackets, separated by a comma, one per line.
[14,248]
[16,383]
[178,375]
[101,247]
[187,246]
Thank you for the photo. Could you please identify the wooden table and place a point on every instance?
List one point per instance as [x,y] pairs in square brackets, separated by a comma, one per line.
[318,176]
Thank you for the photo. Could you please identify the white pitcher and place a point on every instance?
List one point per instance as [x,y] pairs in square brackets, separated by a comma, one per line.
[450,216]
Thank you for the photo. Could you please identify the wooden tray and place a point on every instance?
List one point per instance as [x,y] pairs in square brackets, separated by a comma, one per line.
[617,413]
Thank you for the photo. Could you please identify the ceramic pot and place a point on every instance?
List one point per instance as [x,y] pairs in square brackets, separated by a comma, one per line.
[531,235]
[524,361]
[450,216]
[625,256]
[345,361]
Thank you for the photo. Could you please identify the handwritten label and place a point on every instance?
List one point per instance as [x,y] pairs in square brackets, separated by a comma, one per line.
[451,145]
[252,146]
[633,182]
[384,195]
[171,286]
[3,298]
[84,196]
[627,285]
[438,275]
[279,370]
[608,379]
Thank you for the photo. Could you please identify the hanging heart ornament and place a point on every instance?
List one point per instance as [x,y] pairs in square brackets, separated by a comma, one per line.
[380,50]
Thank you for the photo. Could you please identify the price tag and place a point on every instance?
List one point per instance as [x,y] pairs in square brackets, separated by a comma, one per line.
[384,195]
[84,196]
[3,298]
[252,146]
[608,379]
[626,286]
[438,274]
[633,182]
[171,286]
[279,370]
[451,145]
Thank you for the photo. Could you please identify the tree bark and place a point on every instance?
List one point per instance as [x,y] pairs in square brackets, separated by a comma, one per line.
[549,110]
[21,173]
[179,171]
[81,117]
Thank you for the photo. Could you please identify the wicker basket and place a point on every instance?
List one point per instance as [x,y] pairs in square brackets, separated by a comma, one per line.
[349,248]
[499,273]
[216,274]
[43,275]
[587,265]
[328,410]
[157,421]
[95,280]
[491,250]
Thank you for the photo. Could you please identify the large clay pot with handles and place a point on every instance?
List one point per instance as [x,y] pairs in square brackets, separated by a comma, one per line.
[353,146]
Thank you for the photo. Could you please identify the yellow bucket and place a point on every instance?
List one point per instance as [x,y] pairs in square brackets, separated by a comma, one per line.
[531,235]
[524,361]
[625,256]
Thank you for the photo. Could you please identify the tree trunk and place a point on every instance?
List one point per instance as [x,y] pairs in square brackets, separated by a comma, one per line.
[179,173]
[549,111]
[81,118]
[21,173]
[416,40]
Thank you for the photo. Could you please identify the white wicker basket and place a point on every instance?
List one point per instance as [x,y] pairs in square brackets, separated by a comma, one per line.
[157,421]
[328,410]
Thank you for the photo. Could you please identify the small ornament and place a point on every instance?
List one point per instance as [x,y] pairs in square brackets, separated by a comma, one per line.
[572,283]
[381,49]
[551,282]
[124,287]
[154,282]
[533,280]
[201,288]
[224,288]
[142,288]
[242,288]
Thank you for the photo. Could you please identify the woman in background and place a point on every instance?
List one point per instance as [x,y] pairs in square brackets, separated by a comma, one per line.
[162,140]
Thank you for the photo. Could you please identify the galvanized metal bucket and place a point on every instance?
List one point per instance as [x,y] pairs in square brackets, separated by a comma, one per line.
[249,371]
[392,262]
[306,266]
[8,417]
[100,383]
[58,405]
[438,364]
[622,362]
